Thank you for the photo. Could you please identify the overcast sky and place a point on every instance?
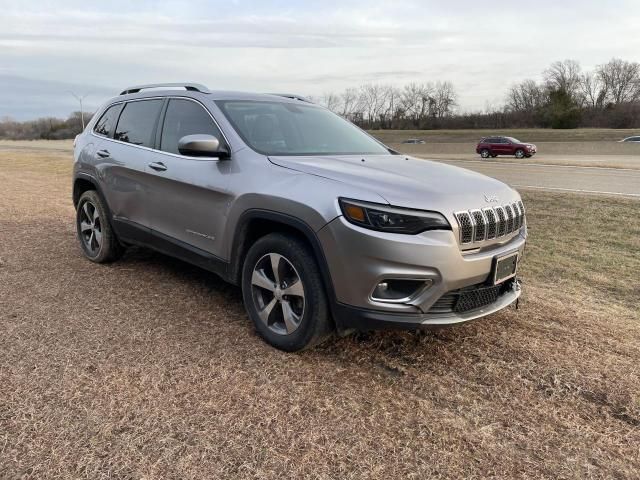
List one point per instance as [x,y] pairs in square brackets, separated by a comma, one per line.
[50,47]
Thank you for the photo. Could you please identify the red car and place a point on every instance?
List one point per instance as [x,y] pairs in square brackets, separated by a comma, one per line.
[494,146]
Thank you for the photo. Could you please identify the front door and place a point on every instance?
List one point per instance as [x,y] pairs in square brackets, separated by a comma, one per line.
[188,196]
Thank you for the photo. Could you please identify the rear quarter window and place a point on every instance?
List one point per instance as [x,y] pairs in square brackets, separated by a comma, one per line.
[104,126]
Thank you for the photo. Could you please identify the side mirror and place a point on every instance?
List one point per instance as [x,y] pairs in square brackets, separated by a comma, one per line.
[202,146]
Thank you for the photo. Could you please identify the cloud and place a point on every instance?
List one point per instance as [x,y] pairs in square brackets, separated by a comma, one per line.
[311,47]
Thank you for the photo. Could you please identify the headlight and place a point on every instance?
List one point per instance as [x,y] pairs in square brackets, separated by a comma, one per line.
[384,218]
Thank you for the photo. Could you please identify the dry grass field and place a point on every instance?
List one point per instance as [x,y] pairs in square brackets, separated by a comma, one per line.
[149,367]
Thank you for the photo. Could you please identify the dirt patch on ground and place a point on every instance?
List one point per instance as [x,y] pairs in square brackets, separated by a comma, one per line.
[149,368]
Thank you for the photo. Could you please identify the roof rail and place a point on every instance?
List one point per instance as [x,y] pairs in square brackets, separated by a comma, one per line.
[193,87]
[292,96]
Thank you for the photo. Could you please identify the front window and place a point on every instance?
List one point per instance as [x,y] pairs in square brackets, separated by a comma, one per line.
[278,128]
[185,117]
[513,140]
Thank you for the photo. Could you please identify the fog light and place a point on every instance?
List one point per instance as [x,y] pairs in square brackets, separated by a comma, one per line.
[399,290]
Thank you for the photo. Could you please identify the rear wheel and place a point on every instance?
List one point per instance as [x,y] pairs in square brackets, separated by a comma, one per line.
[283,293]
[519,153]
[97,238]
[484,153]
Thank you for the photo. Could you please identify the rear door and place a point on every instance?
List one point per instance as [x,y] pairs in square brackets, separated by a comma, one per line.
[188,196]
[501,147]
[129,151]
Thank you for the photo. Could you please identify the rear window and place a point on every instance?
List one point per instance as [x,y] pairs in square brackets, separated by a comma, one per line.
[104,126]
[137,122]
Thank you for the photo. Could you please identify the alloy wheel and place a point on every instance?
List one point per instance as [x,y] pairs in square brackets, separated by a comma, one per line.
[91,228]
[278,293]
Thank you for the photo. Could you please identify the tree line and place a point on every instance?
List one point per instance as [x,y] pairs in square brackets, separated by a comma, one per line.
[565,96]
[49,128]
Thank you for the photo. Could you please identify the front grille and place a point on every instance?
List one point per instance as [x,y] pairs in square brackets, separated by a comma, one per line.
[489,223]
[470,298]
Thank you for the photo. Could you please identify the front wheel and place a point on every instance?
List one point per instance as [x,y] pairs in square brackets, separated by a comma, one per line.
[283,293]
[484,153]
[519,153]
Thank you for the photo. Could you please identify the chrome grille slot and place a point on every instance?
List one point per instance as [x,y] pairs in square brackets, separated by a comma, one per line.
[490,215]
[466,227]
[518,217]
[509,211]
[489,223]
[502,221]
[480,224]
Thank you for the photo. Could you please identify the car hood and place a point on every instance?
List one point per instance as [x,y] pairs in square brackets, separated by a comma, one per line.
[407,182]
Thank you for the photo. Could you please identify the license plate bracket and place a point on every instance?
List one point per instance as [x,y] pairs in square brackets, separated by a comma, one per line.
[505,267]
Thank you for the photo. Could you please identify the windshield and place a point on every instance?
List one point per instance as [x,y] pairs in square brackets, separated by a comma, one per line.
[278,128]
[513,140]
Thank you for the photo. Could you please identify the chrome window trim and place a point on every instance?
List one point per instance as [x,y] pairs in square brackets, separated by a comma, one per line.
[179,97]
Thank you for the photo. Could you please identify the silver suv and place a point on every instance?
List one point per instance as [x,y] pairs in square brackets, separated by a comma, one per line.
[323,227]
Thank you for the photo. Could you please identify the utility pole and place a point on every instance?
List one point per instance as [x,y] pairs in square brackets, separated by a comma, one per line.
[80,99]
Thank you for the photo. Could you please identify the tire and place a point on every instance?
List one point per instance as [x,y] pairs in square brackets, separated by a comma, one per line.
[268,306]
[484,153]
[97,239]
[520,153]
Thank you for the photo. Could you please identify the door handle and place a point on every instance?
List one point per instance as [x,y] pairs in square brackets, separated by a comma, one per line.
[103,153]
[158,166]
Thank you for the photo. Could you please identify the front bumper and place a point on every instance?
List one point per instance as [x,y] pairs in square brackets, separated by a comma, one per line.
[354,318]
[358,259]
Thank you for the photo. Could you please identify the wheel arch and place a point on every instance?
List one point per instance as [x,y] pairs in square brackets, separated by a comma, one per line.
[256,223]
[85,182]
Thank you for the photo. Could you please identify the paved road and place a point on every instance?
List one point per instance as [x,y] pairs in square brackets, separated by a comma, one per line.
[605,181]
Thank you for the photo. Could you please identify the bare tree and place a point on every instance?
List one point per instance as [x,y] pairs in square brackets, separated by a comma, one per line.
[350,102]
[593,90]
[565,76]
[331,101]
[373,98]
[621,79]
[526,96]
[444,100]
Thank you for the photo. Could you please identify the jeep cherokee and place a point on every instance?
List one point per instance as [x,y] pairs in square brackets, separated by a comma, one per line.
[494,146]
[323,227]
